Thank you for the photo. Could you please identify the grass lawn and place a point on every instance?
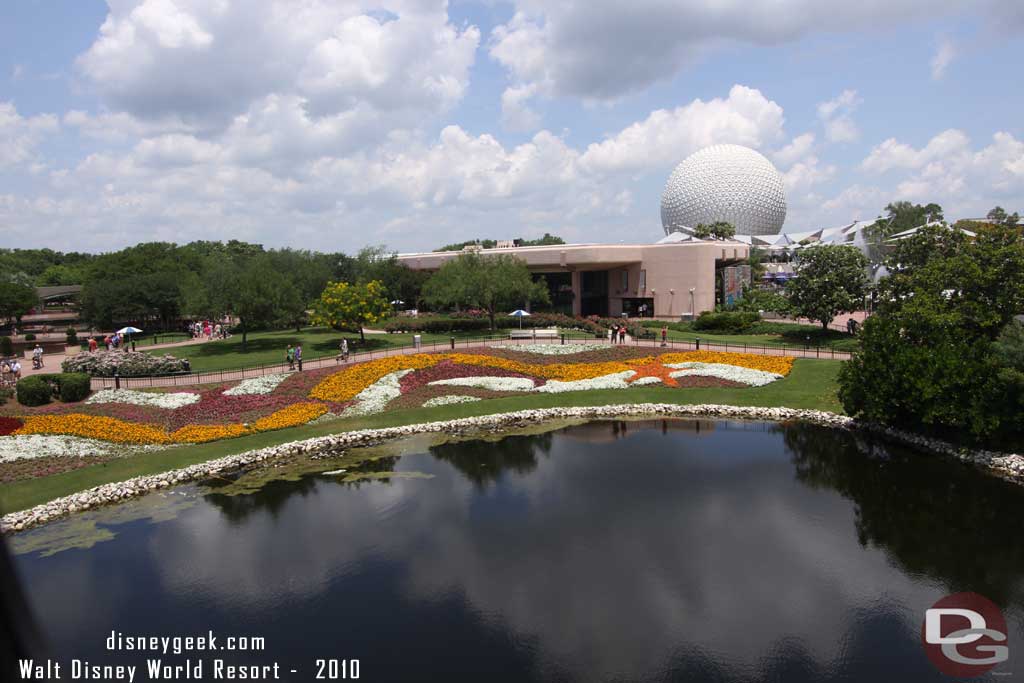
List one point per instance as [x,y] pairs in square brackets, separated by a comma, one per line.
[811,384]
[837,341]
[267,348]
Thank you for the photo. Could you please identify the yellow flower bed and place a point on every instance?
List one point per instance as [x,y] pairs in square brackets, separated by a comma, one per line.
[93,427]
[780,365]
[344,385]
[293,415]
[204,433]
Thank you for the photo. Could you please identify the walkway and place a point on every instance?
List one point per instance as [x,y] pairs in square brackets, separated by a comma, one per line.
[219,376]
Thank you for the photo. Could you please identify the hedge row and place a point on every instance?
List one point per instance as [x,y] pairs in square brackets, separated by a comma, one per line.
[728,322]
[446,324]
[37,390]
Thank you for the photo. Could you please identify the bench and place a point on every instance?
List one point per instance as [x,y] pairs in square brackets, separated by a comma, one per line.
[542,333]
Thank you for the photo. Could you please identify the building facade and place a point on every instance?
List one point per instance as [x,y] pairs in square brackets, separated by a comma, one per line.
[669,281]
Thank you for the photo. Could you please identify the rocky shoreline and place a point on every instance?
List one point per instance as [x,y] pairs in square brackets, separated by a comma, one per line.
[1009,466]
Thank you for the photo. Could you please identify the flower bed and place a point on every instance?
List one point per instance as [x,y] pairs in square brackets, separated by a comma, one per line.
[449,400]
[169,401]
[428,379]
[552,349]
[8,425]
[124,363]
[257,385]
[733,373]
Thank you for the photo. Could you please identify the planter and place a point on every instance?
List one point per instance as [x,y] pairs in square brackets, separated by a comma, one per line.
[72,350]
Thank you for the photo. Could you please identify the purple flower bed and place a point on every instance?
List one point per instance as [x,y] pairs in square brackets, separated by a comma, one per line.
[447,370]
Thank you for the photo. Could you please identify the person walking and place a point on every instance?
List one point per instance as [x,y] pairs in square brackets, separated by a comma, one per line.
[37,355]
[343,350]
[289,357]
[622,334]
[16,369]
[92,344]
[664,335]
[298,355]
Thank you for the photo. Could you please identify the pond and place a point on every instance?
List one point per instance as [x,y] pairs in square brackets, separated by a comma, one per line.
[605,551]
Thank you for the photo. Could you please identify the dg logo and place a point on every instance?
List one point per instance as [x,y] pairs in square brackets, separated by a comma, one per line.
[964,635]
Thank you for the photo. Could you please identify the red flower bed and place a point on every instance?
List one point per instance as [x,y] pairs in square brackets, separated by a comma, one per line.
[448,370]
[216,408]
[8,425]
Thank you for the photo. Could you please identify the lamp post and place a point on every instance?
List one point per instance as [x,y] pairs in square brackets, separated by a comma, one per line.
[692,311]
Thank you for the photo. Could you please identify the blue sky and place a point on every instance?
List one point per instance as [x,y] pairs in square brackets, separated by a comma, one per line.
[332,124]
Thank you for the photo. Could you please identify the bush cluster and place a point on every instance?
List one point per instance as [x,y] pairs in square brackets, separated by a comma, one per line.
[467,322]
[36,390]
[30,337]
[124,363]
[6,347]
[72,336]
[726,322]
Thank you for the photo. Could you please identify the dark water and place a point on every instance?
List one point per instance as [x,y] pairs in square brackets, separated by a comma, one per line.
[612,551]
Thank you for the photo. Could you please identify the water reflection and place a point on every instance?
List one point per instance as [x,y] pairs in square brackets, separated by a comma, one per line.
[606,551]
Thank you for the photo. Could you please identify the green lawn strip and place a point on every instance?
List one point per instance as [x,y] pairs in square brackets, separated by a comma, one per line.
[268,348]
[811,385]
[755,341]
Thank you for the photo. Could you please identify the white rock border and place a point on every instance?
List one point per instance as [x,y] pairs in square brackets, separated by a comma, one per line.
[1008,466]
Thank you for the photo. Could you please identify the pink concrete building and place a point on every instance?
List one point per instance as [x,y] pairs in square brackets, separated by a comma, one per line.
[672,280]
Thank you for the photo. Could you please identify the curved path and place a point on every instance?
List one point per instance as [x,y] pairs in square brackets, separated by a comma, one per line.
[219,376]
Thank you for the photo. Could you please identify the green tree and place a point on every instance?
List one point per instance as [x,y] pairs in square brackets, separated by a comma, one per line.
[489,282]
[258,295]
[930,355]
[344,305]
[16,299]
[719,230]
[830,279]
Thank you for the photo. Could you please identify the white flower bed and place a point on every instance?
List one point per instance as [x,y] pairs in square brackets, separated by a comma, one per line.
[448,400]
[552,349]
[373,398]
[144,398]
[257,385]
[491,383]
[29,446]
[644,381]
[749,376]
[616,380]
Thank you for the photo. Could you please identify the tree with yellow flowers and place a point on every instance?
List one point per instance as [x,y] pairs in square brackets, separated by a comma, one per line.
[352,305]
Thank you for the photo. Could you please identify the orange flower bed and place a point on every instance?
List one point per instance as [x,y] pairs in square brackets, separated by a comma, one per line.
[654,369]
[780,365]
[293,415]
[93,427]
[204,433]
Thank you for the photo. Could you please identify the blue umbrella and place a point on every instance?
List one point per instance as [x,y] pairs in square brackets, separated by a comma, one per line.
[519,313]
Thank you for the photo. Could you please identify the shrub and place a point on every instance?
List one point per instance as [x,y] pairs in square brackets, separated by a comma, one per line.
[6,393]
[6,347]
[30,337]
[72,336]
[124,363]
[73,386]
[729,322]
[33,391]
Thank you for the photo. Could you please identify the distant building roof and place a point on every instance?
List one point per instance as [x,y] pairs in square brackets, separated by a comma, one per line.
[58,291]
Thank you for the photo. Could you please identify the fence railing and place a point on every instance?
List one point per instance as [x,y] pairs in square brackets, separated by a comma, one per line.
[452,344]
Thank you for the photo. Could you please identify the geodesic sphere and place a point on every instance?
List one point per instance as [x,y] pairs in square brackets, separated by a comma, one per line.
[728,183]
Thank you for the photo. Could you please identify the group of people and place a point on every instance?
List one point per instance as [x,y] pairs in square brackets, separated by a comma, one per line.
[10,371]
[208,329]
[618,334]
[293,356]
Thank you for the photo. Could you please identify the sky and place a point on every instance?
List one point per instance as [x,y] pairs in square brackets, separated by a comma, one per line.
[337,124]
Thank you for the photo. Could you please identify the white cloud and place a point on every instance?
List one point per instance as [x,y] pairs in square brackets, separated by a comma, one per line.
[603,49]
[835,115]
[516,114]
[20,135]
[943,58]
[17,72]
[204,63]
[665,137]
[794,150]
[894,154]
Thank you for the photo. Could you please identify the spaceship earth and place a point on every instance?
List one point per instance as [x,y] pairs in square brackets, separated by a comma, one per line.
[728,183]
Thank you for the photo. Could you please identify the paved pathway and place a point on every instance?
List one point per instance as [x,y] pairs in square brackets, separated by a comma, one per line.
[219,376]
